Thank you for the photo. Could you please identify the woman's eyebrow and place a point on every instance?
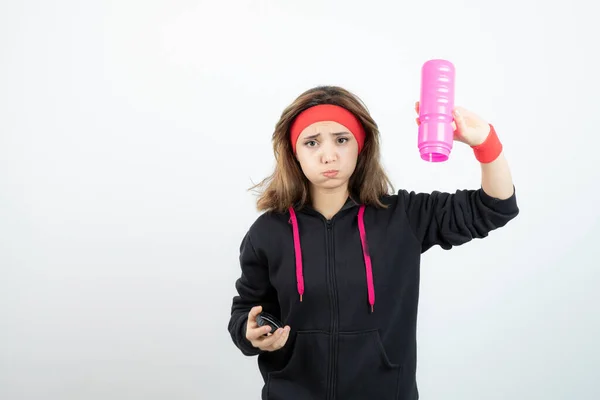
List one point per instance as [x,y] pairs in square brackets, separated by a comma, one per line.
[311,137]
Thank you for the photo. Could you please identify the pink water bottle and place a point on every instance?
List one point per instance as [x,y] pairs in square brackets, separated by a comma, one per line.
[436,135]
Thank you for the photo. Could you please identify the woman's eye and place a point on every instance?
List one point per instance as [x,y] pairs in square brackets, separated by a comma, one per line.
[310,143]
[342,140]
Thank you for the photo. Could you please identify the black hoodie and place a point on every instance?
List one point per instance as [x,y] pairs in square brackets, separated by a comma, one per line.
[349,288]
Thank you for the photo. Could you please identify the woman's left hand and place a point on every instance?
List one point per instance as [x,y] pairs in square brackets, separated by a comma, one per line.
[469,128]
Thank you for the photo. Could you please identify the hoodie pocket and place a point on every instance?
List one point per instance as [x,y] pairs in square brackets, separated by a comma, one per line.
[304,376]
[364,368]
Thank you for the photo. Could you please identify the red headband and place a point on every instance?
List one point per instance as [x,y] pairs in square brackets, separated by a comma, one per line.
[327,112]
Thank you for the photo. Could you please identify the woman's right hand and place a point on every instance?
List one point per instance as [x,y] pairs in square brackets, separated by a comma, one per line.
[256,334]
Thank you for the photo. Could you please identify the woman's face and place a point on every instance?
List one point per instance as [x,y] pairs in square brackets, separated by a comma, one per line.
[327,153]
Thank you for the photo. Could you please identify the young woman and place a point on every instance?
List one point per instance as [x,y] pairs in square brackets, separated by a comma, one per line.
[335,255]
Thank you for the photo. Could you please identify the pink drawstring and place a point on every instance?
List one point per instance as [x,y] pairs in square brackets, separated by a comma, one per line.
[365,250]
[298,251]
[367,256]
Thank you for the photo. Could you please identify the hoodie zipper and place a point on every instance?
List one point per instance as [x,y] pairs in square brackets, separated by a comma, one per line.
[331,379]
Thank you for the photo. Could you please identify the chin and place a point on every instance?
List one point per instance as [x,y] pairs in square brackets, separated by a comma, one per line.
[329,183]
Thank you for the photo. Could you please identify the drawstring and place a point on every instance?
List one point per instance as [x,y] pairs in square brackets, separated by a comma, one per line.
[365,251]
[366,255]
[298,251]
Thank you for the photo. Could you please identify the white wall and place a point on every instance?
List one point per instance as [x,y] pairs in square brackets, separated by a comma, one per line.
[130,130]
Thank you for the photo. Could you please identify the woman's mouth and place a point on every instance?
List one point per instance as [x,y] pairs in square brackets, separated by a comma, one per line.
[331,173]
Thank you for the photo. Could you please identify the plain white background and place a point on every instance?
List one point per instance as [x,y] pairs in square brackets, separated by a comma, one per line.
[130,131]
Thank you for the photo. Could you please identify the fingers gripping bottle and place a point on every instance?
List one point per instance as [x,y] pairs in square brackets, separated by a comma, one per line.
[436,134]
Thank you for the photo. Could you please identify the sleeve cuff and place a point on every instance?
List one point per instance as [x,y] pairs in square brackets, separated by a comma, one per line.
[504,206]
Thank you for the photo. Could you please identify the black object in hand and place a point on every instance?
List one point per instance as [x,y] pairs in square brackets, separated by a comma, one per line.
[265,318]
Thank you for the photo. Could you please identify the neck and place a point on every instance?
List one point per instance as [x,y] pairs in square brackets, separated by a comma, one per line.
[329,201]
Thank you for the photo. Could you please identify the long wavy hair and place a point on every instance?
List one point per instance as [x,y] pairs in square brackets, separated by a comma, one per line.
[288,186]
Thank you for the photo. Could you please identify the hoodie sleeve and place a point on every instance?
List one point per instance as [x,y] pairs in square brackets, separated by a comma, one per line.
[452,219]
[254,289]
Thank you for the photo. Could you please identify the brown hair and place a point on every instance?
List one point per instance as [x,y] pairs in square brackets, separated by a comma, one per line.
[288,185]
